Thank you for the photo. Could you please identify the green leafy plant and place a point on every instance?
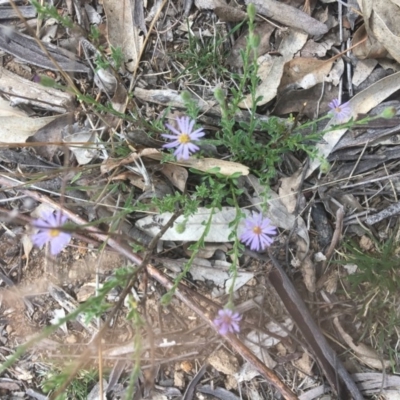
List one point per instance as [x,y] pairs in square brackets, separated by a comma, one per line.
[78,389]
[374,287]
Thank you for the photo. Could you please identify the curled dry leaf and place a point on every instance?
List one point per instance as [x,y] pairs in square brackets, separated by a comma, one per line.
[83,146]
[203,164]
[304,73]
[367,355]
[177,175]
[382,24]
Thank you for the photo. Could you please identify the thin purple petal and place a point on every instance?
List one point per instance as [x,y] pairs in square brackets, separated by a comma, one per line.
[170,145]
[171,128]
[172,137]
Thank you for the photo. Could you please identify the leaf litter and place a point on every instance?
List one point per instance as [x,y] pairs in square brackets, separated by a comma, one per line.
[78,79]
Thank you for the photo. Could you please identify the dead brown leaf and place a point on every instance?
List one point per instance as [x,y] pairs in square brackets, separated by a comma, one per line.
[304,73]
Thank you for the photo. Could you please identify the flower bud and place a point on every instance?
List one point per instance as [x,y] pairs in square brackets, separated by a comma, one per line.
[46,81]
[325,166]
[254,41]
[388,112]
[251,11]
[186,97]
[219,95]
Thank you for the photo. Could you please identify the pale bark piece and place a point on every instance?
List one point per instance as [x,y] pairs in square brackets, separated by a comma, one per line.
[361,103]
[289,16]
[27,49]
[218,273]
[271,68]
[122,31]
[70,304]
[194,225]
[21,90]
[393,209]
[209,4]
[19,129]
[8,12]
[363,71]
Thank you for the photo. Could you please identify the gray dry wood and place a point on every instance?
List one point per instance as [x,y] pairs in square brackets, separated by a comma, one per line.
[27,49]
[7,12]
[289,16]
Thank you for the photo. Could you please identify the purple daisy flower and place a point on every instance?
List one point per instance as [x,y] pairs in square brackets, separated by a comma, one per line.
[49,231]
[341,112]
[227,321]
[183,138]
[257,233]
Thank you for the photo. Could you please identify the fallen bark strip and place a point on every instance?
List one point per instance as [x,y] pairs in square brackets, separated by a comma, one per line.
[25,48]
[153,272]
[289,16]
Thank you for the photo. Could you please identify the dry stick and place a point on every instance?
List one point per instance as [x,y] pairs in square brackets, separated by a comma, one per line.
[336,235]
[243,350]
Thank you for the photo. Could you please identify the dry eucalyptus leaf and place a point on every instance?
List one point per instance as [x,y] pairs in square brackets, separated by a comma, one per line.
[177,175]
[83,146]
[367,355]
[258,341]
[122,31]
[304,73]
[306,101]
[382,22]
[18,129]
[367,45]
[51,133]
[335,75]
[203,164]
[230,14]
[363,70]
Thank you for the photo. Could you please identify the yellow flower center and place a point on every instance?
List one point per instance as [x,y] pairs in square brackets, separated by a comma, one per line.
[184,138]
[54,232]
[257,230]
